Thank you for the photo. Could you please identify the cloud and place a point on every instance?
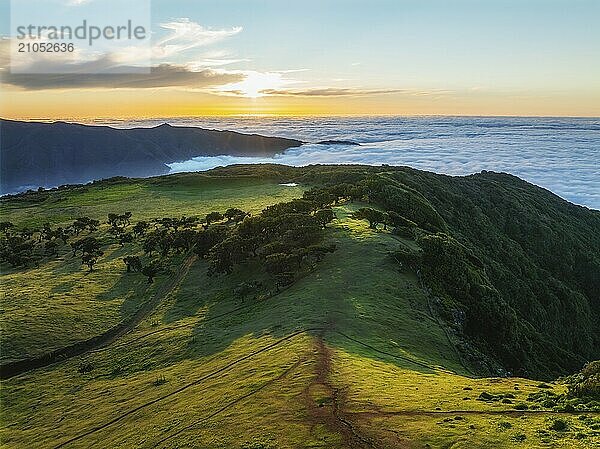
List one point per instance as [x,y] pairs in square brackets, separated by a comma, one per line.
[186,35]
[180,58]
[127,67]
[328,92]
[163,75]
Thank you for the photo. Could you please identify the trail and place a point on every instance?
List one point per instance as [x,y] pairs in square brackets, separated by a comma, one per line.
[431,413]
[232,403]
[324,402]
[18,367]
[185,387]
[332,415]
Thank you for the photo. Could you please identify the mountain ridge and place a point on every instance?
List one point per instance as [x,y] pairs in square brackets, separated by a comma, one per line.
[34,154]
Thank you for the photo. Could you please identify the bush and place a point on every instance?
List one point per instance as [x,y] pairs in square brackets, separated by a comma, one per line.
[85,367]
[585,384]
[559,425]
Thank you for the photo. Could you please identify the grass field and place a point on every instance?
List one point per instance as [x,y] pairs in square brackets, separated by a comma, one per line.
[59,302]
[175,195]
[348,356]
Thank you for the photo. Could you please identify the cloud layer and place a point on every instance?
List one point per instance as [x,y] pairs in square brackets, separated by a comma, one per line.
[558,154]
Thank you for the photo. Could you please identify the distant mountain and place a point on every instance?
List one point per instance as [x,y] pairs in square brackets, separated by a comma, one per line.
[34,154]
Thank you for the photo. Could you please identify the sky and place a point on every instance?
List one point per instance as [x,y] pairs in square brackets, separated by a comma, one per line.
[330,57]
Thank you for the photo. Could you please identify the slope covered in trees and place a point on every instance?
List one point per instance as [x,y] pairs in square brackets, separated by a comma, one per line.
[515,269]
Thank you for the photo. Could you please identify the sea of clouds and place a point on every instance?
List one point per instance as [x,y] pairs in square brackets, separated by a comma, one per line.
[560,154]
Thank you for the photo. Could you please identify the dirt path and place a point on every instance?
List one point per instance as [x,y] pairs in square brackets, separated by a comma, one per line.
[324,402]
[432,413]
[207,376]
[269,383]
[13,369]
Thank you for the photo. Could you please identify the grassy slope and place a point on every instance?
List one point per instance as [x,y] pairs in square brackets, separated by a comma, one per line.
[60,303]
[176,195]
[201,348]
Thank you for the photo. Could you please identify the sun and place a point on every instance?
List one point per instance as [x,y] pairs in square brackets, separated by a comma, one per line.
[255,85]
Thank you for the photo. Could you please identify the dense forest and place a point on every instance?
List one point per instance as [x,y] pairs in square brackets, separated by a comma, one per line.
[515,268]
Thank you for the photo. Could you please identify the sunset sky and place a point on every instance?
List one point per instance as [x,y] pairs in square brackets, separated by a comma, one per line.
[526,57]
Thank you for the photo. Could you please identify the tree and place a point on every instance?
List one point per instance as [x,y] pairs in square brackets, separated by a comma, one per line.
[92,225]
[324,216]
[27,233]
[282,263]
[133,263]
[254,231]
[5,226]
[282,266]
[167,223]
[117,232]
[373,216]
[119,221]
[165,242]
[213,217]
[208,238]
[316,253]
[184,240]
[151,242]
[82,223]
[297,206]
[50,248]
[79,225]
[304,235]
[112,219]
[151,270]
[321,197]
[46,232]
[234,214]
[125,237]
[585,384]
[17,251]
[225,255]
[188,222]
[62,234]
[90,252]
[91,258]
[80,244]
[140,228]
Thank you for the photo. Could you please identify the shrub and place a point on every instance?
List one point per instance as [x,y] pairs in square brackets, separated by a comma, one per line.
[559,425]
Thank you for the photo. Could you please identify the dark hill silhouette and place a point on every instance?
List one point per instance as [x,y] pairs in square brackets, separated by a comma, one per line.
[36,154]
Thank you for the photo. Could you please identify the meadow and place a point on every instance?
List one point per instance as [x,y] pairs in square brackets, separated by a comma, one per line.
[349,355]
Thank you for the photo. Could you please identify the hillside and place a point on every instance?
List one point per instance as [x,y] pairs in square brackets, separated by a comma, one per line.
[34,154]
[325,306]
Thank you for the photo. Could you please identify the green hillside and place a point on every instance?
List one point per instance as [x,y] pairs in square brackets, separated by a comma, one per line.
[399,320]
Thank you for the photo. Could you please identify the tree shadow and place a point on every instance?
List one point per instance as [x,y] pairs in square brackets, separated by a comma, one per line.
[356,298]
[134,290]
[216,291]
